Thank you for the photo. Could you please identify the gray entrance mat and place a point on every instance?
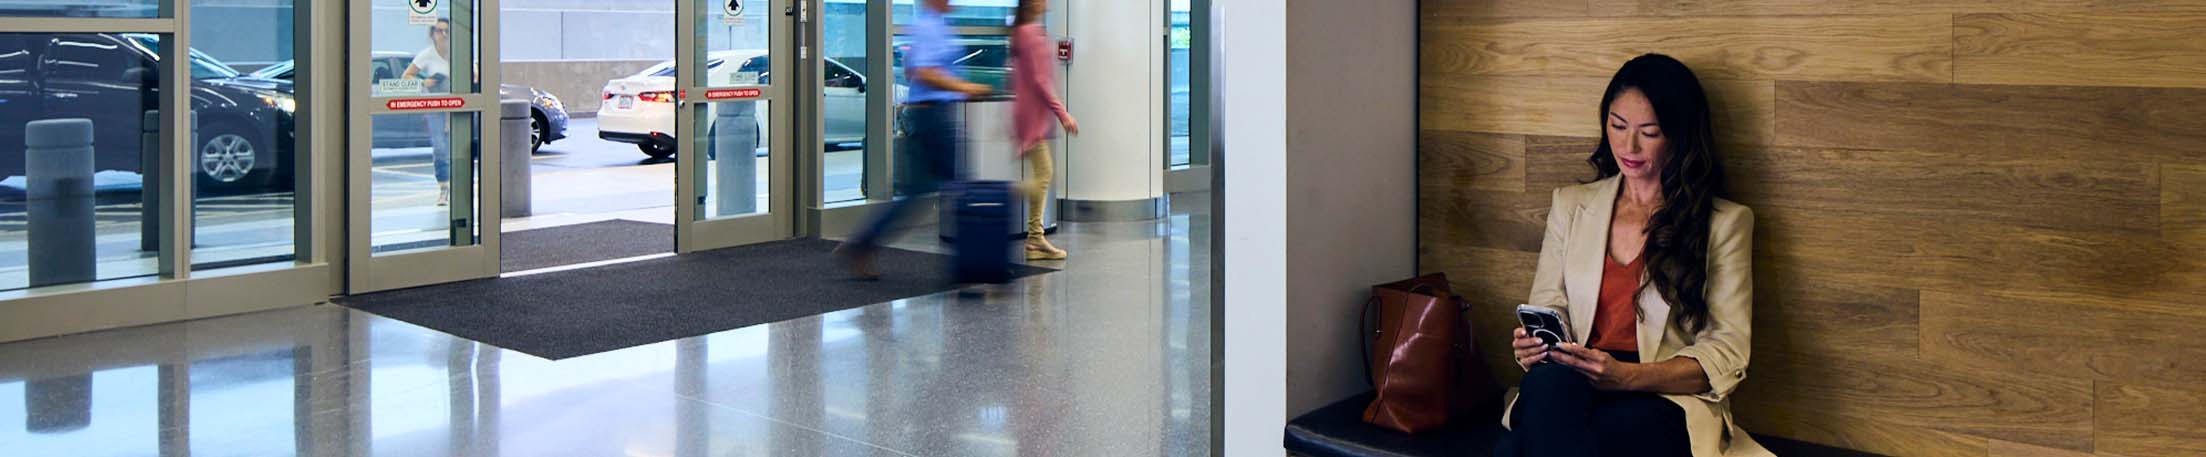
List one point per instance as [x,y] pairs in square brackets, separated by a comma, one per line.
[585,311]
[582,243]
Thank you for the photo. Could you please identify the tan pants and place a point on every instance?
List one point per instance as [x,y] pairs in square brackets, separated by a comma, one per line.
[1040,169]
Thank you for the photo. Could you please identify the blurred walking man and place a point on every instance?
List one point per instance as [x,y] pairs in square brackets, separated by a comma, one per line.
[930,120]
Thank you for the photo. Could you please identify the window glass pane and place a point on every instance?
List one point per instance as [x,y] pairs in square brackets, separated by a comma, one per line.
[736,159]
[978,13]
[423,180]
[244,203]
[984,60]
[76,208]
[1178,45]
[422,52]
[844,98]
[81,8]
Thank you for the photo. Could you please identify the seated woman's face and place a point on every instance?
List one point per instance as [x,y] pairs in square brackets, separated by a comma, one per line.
[1635,135]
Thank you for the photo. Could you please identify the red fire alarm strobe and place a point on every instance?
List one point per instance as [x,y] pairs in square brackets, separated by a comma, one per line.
[1064,49]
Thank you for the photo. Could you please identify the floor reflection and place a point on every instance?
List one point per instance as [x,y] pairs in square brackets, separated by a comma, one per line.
[1108,357]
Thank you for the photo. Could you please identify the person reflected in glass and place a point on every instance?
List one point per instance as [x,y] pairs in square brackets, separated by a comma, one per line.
[434,70]
[1654,271]
[1036,111]
[931,123]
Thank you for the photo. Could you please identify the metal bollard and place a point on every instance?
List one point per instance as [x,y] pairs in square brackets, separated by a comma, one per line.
[735,142]
[149,187]
[58,163]
[513,169]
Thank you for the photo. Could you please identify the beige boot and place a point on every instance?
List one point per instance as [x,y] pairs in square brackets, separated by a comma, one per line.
[1038,248]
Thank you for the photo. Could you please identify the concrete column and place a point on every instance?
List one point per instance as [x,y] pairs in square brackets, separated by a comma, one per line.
[1115,84]
[516,148]
[735,146]
[58,162]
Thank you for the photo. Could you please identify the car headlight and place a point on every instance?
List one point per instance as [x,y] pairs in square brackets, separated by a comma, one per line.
[551,102]
[280,101]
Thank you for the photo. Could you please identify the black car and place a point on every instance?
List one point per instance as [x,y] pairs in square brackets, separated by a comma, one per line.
[244,139]
[548,117]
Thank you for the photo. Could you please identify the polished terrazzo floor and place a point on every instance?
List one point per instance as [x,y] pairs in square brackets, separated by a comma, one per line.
[1107,358]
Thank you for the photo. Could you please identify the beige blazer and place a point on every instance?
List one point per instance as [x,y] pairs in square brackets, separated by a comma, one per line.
[1568,279]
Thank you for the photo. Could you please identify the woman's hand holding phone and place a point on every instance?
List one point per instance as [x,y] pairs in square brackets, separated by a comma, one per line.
[1530,350]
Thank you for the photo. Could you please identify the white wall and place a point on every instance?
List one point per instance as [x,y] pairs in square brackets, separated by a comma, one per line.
[1351,174]
[1252,63]
[1320,167]
[1115,86]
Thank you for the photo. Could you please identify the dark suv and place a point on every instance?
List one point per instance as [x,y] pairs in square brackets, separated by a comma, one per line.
[244,139]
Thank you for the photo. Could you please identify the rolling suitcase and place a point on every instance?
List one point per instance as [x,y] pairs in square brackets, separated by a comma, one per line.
[981,251]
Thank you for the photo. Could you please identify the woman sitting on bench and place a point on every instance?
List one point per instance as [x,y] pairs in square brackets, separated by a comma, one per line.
[1654,272]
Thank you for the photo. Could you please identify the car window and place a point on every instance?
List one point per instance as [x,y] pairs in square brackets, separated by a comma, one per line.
[986,56]
[16,63]
[85,58]
[202,66]
[756,64]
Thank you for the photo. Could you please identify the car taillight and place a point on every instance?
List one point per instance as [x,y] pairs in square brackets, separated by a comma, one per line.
[608,95]
[657,96]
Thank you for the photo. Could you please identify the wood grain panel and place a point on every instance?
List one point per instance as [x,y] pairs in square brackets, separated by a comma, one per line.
[1502,8]
[1957,254]
[2183,203]
[1501,220]
[1450,161]
[2155,50]
[2140,420]
[1570,106]
[1858,433]
[2008,334]
[2020,407]
[2088,195]
[1858,48]
[2004,448]
[1557,161]
[1877,7]
[1805,317]
[1984,121]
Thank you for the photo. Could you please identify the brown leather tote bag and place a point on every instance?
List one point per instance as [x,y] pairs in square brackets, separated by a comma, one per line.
[1413,343]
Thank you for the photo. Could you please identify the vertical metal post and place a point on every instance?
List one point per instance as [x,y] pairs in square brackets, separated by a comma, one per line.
[175,167]
[880,101]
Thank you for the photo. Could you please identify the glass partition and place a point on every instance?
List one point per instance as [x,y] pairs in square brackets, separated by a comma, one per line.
[74,201]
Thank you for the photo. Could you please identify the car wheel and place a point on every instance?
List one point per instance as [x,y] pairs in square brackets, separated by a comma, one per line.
[231,158]
[656,151]
[537,134]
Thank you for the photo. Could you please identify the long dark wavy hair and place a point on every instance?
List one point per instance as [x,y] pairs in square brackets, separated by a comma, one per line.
[1692,179]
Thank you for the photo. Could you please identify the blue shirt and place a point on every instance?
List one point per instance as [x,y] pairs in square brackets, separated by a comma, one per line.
[930,48]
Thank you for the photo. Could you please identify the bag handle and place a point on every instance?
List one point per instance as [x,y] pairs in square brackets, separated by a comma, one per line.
[1365,330]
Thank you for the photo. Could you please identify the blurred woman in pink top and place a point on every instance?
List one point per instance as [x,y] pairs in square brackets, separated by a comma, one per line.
[1034,114]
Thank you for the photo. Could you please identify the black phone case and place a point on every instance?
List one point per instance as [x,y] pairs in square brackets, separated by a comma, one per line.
[1543,326]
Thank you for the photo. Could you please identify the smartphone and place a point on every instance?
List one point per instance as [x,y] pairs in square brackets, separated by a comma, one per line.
[1544,323]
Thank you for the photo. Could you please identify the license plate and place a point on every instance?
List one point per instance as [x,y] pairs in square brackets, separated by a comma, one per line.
[627,102]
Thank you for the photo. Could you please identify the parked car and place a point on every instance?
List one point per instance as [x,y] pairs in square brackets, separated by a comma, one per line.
[639,109]
[245,129]
[547,115]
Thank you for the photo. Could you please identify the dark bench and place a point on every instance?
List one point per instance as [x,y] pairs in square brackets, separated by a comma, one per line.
[1338,430]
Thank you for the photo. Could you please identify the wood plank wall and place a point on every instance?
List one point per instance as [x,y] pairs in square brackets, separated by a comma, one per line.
[1981,223]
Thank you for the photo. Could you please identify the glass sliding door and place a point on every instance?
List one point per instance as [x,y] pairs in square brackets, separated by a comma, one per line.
[733,165]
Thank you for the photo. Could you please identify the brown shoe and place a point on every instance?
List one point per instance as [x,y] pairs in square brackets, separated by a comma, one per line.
[859,261]
[1039,249]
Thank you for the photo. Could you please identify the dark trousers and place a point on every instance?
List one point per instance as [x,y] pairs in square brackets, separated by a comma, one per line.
[933,138]
[1559,414]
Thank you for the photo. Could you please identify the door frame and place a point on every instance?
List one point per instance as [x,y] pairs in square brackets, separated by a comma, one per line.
[367,272]
[693,231]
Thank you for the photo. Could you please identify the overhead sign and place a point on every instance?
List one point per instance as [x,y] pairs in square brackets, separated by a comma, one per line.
[408,104]
[729,94]
[731,12]
[421,12]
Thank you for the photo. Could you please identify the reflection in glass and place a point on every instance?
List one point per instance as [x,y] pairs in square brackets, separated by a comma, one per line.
[244,207]
[963,13]
[423,193]
[986,60]
[736,160]
[85,216]
[423,51]
[132,9]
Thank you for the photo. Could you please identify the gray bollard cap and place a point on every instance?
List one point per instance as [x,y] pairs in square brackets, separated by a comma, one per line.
[58,133]
[513,109]
[153,121]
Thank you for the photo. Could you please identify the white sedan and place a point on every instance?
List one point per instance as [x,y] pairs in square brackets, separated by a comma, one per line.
[639,109]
